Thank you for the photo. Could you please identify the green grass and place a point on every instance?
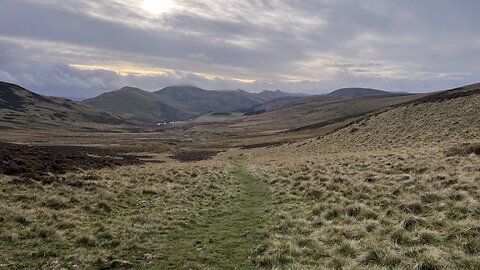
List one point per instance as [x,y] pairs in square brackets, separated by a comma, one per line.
[223,240]
[211,117]
[165,216]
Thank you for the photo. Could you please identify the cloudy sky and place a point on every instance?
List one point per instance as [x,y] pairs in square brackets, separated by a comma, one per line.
[80,48]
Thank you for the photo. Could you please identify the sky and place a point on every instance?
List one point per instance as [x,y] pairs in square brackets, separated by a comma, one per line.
[81,48]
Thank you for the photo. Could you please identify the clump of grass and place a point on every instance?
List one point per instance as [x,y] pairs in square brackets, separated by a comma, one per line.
[56,203]
[85,241]
[464,150]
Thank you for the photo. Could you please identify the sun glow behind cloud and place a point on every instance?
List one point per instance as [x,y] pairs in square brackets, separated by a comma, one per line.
[126,70]
[158,7]
[297,46]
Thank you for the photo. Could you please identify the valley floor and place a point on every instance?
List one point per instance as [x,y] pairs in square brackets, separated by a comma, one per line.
[405,208]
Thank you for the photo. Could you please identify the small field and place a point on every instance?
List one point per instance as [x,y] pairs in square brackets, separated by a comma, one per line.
[220,116]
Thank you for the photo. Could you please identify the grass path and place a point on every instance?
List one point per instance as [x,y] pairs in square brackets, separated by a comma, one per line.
[223,240]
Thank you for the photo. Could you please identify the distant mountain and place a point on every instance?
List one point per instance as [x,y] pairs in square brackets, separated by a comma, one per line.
[271,95]
[139,105]
[357,92]
[176,103]
[21,107]
[203,101]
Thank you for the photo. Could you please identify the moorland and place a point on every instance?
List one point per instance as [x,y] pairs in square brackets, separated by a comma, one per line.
[358,179]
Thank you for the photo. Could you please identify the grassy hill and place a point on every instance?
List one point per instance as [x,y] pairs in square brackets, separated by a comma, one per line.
[203,101]
[291,118]
[139,105]
[176,103]
[439,118]
[277,94]
[20,107]
[357,92]
[397,189]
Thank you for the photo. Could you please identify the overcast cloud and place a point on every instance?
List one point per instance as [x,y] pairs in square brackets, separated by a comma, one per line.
[80,48]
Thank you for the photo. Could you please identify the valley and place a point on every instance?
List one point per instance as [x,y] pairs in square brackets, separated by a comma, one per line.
[239,135]
[386,181]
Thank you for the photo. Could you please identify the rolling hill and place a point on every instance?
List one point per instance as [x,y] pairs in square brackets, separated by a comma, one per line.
[203,101]
[177,103]
[444,118]
[139,105]
[277,94]
[305,116]
[20,107]
[357,92]
[401,179]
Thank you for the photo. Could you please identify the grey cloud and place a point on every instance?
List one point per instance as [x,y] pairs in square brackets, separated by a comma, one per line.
[320,44]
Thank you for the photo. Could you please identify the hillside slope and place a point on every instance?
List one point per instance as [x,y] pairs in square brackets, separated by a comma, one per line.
[200,101]
[277,94]
[357,92]
[20,107]
[296,119]
[396,189]
[307,112]
[176,103]
[139,105]
[445,118]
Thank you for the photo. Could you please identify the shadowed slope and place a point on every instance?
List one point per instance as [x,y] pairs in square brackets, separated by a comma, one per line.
[139,105]
[20,107]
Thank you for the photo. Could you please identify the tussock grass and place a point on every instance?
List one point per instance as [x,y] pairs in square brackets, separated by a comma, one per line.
[110,218]
[411,208]
[464,150]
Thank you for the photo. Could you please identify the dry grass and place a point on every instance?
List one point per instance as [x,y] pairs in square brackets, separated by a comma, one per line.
[408,209]
[123,214]
[399,190]
[464,150]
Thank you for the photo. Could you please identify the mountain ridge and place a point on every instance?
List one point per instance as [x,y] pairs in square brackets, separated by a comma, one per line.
[175,103]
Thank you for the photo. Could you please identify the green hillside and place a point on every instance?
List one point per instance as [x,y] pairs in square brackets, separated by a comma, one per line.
[203,101]
[139,105]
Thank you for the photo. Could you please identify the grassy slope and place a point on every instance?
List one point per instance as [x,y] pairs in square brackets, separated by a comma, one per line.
[384,193]
[136,104]
[23,108]
[203,101]
[302,113]
[320,109]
